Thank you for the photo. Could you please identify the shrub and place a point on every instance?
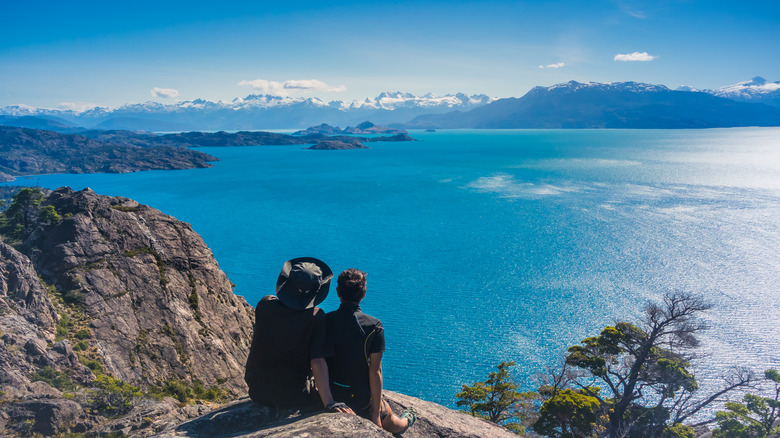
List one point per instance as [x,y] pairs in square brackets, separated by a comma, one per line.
[55,378]
[182,392]
[177,389]
[678,430]
[95,366]
[112,397]
[73,296]
[64,326]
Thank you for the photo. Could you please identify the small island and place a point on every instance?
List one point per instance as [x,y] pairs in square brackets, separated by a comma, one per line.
[365,128]
[333,145]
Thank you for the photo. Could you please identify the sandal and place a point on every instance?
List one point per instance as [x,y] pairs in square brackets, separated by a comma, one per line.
[410,414]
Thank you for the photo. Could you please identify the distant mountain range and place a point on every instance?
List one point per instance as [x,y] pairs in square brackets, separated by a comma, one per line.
[570,105]
[610,105]
[250,113]
[756,90]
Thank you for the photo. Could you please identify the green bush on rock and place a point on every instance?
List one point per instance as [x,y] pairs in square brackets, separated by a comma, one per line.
[112,397]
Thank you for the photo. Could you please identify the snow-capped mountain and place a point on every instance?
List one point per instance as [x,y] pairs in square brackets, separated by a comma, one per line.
[606,105]
[578,87]
[258,112]
[756,90]
[396,100]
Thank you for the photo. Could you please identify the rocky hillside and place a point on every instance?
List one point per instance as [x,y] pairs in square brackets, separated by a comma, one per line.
[107,307]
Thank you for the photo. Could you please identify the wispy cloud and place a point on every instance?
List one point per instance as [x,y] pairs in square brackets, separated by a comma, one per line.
[556,65]
[635,56]
[164,93]
[293,86]
[634,9]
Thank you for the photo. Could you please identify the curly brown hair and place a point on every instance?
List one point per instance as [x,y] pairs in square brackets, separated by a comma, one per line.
[352,285]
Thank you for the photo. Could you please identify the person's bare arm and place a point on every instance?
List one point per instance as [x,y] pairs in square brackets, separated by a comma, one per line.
[319,369]
[375,383]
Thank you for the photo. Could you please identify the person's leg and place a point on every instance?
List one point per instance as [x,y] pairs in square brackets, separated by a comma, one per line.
[391,422]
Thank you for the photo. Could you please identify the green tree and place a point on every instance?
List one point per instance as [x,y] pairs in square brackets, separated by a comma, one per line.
[25,213]
[644,368]
[498,400]
[568,413]
[678,430]
[754,417]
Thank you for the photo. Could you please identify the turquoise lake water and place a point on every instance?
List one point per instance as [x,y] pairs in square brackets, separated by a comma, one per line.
[484,246]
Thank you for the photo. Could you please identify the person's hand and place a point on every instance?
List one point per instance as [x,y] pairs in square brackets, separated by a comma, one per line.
[335,406]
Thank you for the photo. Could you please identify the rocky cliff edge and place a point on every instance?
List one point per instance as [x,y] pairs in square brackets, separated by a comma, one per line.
[244,419]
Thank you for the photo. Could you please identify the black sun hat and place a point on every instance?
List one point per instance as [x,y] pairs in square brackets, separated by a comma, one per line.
[303,283]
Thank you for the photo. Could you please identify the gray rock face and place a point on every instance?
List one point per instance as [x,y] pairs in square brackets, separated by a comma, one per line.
[45,416]
[245,419]
[27,325]
[157,303]
[21,291]
[118,288]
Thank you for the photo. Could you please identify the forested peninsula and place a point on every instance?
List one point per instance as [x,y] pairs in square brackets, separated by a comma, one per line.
[25,151]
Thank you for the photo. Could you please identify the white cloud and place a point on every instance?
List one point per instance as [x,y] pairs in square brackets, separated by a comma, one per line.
[556,65]
[165,93]
[636,56]
[293,86]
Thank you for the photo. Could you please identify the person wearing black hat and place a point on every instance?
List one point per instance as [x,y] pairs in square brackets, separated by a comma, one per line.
[289,341]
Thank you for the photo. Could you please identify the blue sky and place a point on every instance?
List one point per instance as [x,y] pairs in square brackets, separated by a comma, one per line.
[74,53]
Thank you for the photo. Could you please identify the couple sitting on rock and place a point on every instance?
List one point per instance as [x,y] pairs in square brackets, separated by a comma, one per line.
[296,345]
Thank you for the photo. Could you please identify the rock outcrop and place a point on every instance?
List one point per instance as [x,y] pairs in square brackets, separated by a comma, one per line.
[111,288]
[244,419]
[157,303]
